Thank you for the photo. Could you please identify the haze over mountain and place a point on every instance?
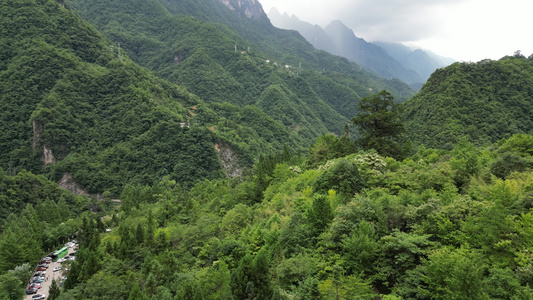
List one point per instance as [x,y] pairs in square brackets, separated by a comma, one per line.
[444,27]
[385,59]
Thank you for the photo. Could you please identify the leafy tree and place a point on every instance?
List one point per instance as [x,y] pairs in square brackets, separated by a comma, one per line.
[162,293]
[294,237]
[11,288]
[343,176]
[137,294]
[454,274]
[465,162]
[501,284]
[329,147]
[216,281]
[379,124]
[345,287]
[361,249]
[189,289]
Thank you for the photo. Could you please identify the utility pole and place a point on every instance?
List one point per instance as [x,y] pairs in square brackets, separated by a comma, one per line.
[119,54]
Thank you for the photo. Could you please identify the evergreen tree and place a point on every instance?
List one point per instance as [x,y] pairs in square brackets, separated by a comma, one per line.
[64,210]
[73,277]
[260,274]
[379,124]
[90,266]
[150,285]
[54,291]
[189,289]
[139,234]
[240,277]
[319,215]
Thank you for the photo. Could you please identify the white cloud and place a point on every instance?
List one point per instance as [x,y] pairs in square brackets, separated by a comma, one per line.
[463,29]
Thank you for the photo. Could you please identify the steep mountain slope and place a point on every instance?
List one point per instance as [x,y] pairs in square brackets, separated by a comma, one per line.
[314,34]
[224,54]
[348,45]
[386,59]
[422,62]
[76,107]
[484,102]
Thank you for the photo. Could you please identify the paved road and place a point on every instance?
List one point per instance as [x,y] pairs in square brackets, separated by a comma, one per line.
[50,274]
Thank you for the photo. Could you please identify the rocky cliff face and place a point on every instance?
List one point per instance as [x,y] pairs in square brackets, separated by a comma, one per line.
[250,8]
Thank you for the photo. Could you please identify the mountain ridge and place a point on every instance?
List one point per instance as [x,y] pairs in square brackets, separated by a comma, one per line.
[413,67]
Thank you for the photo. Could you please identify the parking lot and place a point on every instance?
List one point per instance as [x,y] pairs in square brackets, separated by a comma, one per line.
[50,275]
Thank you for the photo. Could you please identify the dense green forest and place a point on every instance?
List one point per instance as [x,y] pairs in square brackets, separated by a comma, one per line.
[231,183]
[75,101]
[484,101]
[222,56]
[437,225]
[35,217]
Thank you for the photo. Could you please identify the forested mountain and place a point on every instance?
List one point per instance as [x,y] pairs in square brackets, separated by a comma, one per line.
[76,107]
[484,102]
[156,111]
[386,59]
[240,58]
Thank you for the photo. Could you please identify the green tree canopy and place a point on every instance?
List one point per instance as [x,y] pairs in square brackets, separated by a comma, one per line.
[379,124]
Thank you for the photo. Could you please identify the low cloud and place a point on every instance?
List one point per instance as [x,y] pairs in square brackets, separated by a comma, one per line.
[387,20]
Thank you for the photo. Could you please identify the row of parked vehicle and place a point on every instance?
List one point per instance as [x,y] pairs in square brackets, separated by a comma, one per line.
[38,278]
[40,272]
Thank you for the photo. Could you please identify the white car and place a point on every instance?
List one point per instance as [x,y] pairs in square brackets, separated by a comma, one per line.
[38,297]
[57,269]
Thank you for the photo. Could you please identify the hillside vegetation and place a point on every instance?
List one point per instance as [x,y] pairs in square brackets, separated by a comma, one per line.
[484,102]
[438,225]
[214,173]
[221,55]
[79,105]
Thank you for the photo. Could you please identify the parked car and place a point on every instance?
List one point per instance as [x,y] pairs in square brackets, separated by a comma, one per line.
[40,268]
[57,269]
[38,297]
[31,290]
[37,279]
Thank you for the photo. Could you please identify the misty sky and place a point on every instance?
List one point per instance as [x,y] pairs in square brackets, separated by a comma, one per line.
[467,30]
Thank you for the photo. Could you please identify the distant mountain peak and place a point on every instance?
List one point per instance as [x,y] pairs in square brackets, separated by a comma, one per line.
[251,8]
